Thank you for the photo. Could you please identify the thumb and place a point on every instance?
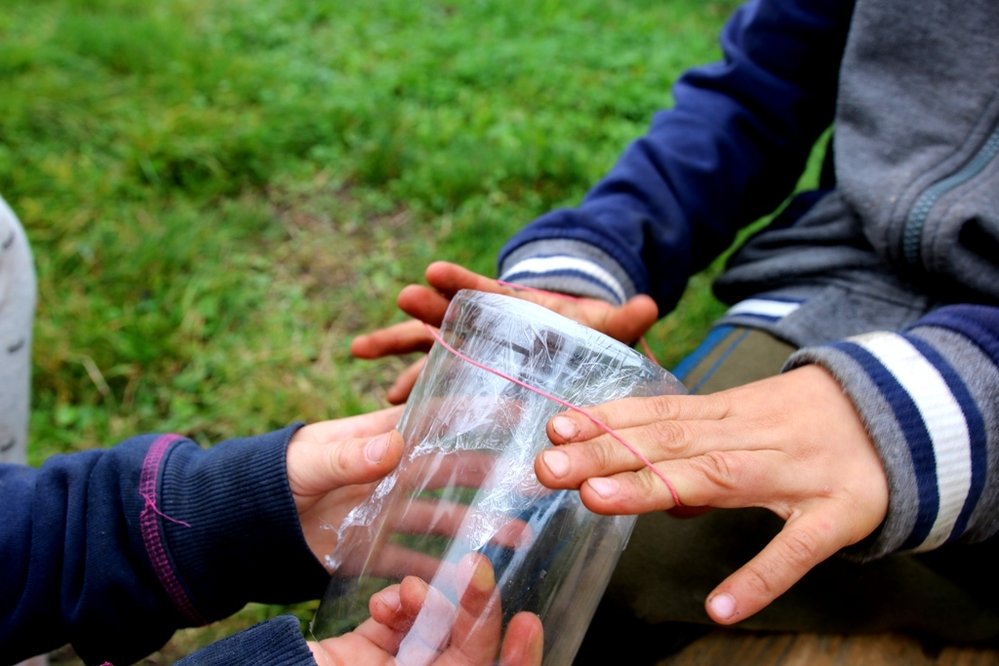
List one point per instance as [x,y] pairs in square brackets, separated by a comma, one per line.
[796,549]
[316,467]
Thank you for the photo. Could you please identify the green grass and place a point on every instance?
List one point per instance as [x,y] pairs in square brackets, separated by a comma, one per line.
[221,195]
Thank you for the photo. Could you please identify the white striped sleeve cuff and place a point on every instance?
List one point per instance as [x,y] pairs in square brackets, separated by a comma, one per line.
[927,425]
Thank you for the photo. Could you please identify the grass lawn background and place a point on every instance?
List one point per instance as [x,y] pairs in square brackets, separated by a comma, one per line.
[221,194]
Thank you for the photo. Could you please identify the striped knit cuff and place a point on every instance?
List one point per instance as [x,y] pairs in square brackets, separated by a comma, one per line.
[926,427]
[568,267]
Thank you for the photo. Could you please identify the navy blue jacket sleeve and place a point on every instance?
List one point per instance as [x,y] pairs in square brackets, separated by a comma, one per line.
[112,550]
[729,151]
[278,642]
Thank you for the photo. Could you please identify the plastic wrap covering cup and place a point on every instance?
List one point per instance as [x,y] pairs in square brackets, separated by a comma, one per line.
[466,483]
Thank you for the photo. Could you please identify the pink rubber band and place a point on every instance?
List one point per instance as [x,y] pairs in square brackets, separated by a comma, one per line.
[596,421]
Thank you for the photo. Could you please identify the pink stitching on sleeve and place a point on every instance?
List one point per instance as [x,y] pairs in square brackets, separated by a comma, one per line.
[152,535]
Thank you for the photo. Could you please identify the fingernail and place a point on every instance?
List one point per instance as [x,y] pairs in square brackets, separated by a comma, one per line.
[722,606]
[606,488]
[376,449]
[389,598]
[483,579]
[564,427]
[557,462]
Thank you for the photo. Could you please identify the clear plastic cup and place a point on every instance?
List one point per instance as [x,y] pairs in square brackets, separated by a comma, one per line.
[473,426]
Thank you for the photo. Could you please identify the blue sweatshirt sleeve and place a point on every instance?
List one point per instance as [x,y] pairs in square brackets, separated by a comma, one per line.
[112,550]
[278,642]
[729,151]
[928,396]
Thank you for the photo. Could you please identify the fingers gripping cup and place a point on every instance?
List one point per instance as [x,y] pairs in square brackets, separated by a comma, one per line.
[466,487]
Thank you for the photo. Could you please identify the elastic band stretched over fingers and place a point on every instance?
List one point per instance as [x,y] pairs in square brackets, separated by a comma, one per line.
[596,421]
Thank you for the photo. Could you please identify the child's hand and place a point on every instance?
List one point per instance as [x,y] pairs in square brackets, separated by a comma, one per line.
[793,444]
[414,623]
[332,466]
[427,305]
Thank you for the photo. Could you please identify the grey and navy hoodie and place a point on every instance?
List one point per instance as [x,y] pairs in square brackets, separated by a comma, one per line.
[887,274]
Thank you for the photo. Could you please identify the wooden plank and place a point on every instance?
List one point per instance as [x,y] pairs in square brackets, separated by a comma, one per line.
[774,649]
